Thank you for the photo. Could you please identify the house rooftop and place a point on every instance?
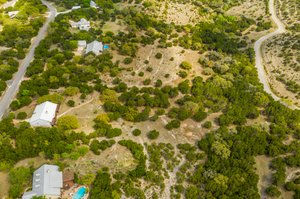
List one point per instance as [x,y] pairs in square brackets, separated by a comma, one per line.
[96,47]
[45,112]
[47,180]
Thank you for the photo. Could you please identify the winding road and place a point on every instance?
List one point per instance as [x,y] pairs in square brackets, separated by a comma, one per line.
[13,88]
[259,63]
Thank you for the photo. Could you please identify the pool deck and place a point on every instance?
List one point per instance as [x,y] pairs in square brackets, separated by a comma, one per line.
[68,194]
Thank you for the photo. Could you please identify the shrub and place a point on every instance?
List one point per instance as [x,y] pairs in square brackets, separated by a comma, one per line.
[199,116]
[207,124]
[71,103]
[103,117]
[83,96]
[158,83]
[21,115]
[152,135]
[15,105]
[55,98]
[18,179]
[149,69]
[182,74]
[158,56]
[141,74]
[113,133]
[173,124]
[147,82]
[127,60]
[136,132]
[71,91]
[68,122]
[185,65]
[273,191]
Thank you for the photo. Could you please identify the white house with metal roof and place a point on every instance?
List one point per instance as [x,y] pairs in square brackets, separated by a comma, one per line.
[93,4]
[82,24]
[81,44]
[47,181]
[76,7]
[13,14]
[96,47]
[44,114]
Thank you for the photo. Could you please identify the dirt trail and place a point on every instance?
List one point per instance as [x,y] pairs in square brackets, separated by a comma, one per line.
[262,165]
[4,185]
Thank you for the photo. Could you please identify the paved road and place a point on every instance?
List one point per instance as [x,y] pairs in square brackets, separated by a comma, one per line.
[259,56]
[9,4]
[17,79]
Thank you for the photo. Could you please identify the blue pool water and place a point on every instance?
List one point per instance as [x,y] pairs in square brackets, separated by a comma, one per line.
[106,47]
[80,193]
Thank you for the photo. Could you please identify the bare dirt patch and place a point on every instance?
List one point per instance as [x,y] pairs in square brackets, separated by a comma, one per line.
[159,68]
[85,110]
[262,165]
[189,131]
[117,158]
[115,27]
[173,12]
[4,185]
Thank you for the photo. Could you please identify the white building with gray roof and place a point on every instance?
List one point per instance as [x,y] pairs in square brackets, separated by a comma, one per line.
[44,114]
[82,24]
[96,47]
[47,181]
[93,4]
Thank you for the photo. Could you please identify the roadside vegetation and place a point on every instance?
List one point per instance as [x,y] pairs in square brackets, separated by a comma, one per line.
[16,34]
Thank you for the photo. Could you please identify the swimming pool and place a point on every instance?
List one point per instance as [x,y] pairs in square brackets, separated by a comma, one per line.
[106,47]
[80,193]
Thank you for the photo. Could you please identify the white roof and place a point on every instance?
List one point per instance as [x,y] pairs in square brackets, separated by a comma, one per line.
[82,43]
[47,180]
[95,47]
[45,111]
[76,7]
[81,22]
[13,13]
[93,4]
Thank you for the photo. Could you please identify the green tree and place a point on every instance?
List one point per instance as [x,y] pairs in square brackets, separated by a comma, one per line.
[152,135]
[68,122]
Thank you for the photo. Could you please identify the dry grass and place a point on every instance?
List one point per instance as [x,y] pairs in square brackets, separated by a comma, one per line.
[4,185]
[262,165]
[117,158]
[167,65]
[173,12]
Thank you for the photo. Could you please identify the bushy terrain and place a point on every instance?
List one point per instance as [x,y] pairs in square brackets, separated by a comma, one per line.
[216,91]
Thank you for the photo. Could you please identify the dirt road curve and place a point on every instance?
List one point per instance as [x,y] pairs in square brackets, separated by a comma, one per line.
[9,4]
[259,56]
[17,79]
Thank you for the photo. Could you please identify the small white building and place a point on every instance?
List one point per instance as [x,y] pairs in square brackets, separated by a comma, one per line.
[13,14]
[96,47]
[44,115]
[81,44]
[82,24]
[76,7]
[93,4]
[47,181]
